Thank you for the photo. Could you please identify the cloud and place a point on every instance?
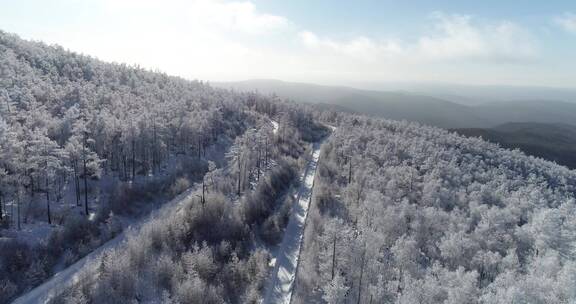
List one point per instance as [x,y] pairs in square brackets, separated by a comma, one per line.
[359,47]
[453,47]
[207,39]
[453,37]
[235,40]
[234,16]
[567,21]
[457,37]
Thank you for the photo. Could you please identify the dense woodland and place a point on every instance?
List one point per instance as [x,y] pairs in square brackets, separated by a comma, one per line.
[401,213]
[554,142]
[405,213]
[86,146]
[212,250]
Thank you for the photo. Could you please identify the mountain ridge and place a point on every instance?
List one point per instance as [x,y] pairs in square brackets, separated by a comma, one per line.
[401,105]
[554,141]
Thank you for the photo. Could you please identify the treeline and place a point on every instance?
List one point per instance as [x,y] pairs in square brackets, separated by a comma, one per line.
[404,213]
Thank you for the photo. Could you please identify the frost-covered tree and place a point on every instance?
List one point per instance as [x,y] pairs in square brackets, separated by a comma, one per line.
[120,137]
[442,219]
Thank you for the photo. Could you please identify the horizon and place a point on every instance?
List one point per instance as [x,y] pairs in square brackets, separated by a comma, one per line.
[386,42]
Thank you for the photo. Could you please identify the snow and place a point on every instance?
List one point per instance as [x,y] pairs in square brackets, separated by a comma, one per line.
[37,232]
[35,229]
[68,276]
[275,126]
[31,233]
[285,261]
[280,286]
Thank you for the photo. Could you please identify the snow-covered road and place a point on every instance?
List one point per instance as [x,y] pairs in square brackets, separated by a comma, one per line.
[279,289]
[70,275]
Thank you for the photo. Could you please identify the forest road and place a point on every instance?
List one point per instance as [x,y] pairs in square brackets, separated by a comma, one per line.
[71,275]
[281,282]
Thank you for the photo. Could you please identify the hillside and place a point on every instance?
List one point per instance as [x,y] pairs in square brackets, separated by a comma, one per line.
[88,149]
[555,142]
[414,107]
[538,111]
[404,213]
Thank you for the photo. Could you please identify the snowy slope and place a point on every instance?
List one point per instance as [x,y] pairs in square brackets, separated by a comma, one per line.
[42,293]
[68,276]
[279,289]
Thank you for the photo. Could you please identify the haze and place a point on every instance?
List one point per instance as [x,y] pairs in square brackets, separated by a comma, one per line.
[328,42]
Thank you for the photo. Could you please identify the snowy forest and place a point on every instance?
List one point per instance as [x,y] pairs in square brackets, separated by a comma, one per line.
[179,192]
[404,213]
[87,147]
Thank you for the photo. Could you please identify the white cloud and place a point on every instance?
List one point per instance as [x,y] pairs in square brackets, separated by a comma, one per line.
[567,21]
[359,47]
[235,40]
[454,37]
[457,37]
[206,39]
[234,16]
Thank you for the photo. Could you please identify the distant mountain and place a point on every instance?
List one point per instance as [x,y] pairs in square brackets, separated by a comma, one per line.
[555,142]
[415,107]
[392,105]
[542,111]
[475,94]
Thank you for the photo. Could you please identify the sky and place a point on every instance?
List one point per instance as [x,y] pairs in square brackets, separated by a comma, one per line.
[513,42]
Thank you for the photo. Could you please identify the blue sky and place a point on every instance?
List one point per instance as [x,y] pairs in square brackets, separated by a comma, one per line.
[333,42]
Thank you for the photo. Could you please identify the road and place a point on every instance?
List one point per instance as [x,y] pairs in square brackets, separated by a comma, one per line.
[70,275]
[280,286]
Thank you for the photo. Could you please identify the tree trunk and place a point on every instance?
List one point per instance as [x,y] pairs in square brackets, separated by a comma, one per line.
[48,200]
[245,176]
[203,193]
[154,150]
[32,189]
[361,275]
[258,164]
[12,213]
[61,181]
[18,206]
[85,175]
[334,257]
[133,160]
[266,154]
[350,171]
[85,189]
[125,166]
[400,281]
[205,142]
[239,175]
[76,181]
